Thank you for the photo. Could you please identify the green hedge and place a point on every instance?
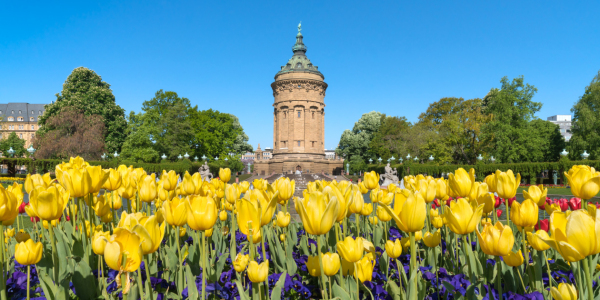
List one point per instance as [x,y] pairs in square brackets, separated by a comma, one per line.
[529,171]
[46,165]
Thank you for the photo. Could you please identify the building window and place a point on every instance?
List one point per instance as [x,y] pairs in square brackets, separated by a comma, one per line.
[313,114]
[12,112]
[32,135]
[313,144]
[32,127]
[11,118]
[298,143]
[21,127]
[299,66]
[30,118]
[20,119]
[299,114]
[20,112]
[21,135]
[40,112]
[32,112]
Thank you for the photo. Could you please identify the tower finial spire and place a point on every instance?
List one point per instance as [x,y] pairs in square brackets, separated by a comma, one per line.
[300,27]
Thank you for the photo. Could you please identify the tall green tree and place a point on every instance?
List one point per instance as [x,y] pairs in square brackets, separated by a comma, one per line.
[138,146]
[356,141]
[217,134]
[16,143]
[85,91]
[391,138]
[511,108]
[546,143]
[457,125]
[586,122]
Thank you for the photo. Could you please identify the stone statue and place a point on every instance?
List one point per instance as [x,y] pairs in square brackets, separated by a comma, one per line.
[204,171]
[390,176]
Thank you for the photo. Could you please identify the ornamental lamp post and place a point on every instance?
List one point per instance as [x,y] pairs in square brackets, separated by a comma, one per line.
[370,160]
[179,157]
[388,160]
[103,156]
[492,159]
[217,158]
[163,156]
[393,158]
[408,157]
[401,160]
[564,153]
[379,159]
[203,157]
[31,150]
[585,155]
[416,158]
[115,155]
[186,155]
[226,159]
[11,152]
[196,158]
[479,158]
[347,168]
[431,158]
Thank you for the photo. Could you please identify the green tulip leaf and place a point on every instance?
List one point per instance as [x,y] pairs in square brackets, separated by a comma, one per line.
[276,293]
[191,283]
[84,281]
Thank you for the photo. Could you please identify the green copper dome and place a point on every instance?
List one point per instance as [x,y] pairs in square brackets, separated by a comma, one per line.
[299,62]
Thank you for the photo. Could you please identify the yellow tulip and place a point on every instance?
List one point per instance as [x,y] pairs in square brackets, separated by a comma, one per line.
[575,236]
[225,175]
[113,182]
[367,209]
[507,184]
[524,214]
[32,181]
[383,215]
[460,182]
[432,239]
[318,212]
[147,189]
[282,237]
[393,249]
[265,204]
[127,190]
[537,240]
[564,291]
[223,215]
[514,259]
[427,188]
[176,211]
[356,202]
[286,189]
[371,180]
[98,177]
[182,231]
[188,186]
[248,218]
[283,219]
[9,232]
[463,216]
[231,193]
[258,273]
[101,205]
[373,220]
[240,262]
[364,269]
[123,241]
[405,242]
[490,180]
[169,180]
[351,249]
[550,208]
[362,189]
[437,222]
[152,234]
[331,264]
[99,242]
[441,189]
[376,195]
[201,212]
[117,203]
[496,240]
[537,194]
[9,205]
[332,191]
[481,194]
[409,214]
[28,252]
[485,221]
[77,181]
[584,181]
[48,204]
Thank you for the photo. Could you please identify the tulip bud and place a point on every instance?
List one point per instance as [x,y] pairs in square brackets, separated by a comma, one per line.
[393,249]
[28,252]
[223,215]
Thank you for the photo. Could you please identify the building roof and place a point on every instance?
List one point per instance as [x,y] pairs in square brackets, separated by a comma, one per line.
[24,110]
[299,63]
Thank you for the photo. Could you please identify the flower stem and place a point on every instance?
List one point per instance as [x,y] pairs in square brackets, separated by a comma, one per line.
[28,279]
[145,257]
[413,264]
[499,277]
[588,277]
[3,283]
[400,279]
[203,266]
[124,276]
[324,289]
[54,253]
[467,249]
[357,225]
[548,267]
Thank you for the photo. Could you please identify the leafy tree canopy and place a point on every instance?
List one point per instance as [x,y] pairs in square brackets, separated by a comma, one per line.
[17,144]
[586,122]
[85,91]
[356,141]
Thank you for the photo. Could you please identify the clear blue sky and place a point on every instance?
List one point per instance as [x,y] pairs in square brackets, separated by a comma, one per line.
[395,57]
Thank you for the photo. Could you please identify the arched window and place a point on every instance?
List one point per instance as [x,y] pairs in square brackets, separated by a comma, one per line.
[32,112]
[20,119]
[40,112]
[31,118]
[20,112]
[11,118]
[299,66]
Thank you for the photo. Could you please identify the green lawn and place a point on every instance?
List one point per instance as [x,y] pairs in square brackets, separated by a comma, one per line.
[551,191]
[241,177]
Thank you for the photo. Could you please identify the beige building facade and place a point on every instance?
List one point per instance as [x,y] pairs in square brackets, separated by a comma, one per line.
[22,119]
[299,118]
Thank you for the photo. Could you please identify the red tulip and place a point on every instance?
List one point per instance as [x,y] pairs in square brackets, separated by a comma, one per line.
[34,220]
[435,204]
[498,201]
[22,207]
[498,212]
[562,202]
[575,203]
[511,200]
[543,225]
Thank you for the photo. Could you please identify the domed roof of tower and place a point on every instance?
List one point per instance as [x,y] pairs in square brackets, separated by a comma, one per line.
[299,62]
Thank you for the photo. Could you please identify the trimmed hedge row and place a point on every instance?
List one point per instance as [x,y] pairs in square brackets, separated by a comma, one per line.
[529,171]
[180,167]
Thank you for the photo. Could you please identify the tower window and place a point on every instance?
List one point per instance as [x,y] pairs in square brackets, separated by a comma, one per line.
[284,114]
[298,143]
[299,66]
[313,144]
[299,114]
[32,128]
[313,115]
